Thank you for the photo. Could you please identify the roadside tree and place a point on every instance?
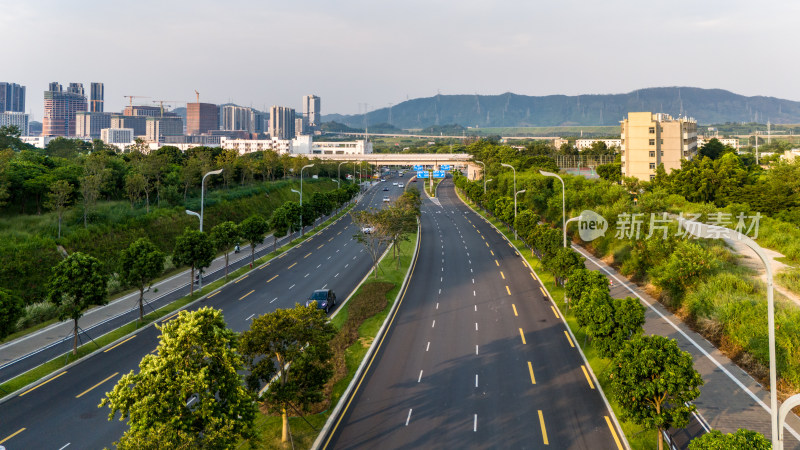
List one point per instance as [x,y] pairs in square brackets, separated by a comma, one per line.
[653,380]
[189,391]
[77,283]
[253,230]
[58,199]
[741,440]
[372,234]
[225,235]
[291,346]
[11,308]
[139,265]
[194,249]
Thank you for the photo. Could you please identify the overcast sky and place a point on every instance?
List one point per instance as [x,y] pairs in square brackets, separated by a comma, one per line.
[356,52]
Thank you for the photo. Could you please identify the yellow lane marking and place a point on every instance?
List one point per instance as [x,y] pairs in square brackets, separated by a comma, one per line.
[509,244]
[532,275]
[240,279]
[524,264]
[498,264]
[522,335]
[291,266]
[492,252]
[501,274]
[272,278]
[309,254]
[569,339]
[586,374]
[245,295]
[508,290]
[330,239]
[170,317]
[554,311]
[610,427]
[483,238]
[42,384]
[264,266]
[98,384]
[338,233]
[543,292]
[487,244]
[12,435]
[530,369]
[515,310]
[544,430]
[112,348]
[323,245]
[215,293]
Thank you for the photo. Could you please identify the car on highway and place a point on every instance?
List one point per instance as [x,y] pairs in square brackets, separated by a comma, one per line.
[401,185]
[325,299]
[386,189]
[386,198]
[394,184]
[367,230]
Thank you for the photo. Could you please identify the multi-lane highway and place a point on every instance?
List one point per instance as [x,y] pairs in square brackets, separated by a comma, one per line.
[62,411]
[476,356]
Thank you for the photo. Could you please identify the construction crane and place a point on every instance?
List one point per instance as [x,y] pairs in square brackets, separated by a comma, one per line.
[131,97]
[161,102]
[198,95]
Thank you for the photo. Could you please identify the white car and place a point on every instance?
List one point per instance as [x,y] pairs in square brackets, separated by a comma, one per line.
[367,230]
[401,185]
[394,184]
[386,199]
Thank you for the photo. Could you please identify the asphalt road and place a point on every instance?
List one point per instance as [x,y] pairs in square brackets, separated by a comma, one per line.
[63,411]
[476,357]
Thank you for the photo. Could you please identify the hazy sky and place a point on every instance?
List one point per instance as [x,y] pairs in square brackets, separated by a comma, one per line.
[352,52]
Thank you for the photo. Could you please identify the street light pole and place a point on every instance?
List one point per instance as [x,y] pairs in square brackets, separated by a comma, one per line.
[702,230]
[203,192]
[483,175]
[301,196]
[339,173]
[515,211]
[515,186]
[563,202]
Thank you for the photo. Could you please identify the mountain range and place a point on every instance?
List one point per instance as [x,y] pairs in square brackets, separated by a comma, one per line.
[707,106]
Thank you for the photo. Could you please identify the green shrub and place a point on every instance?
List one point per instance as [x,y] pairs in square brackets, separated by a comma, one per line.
[37,313]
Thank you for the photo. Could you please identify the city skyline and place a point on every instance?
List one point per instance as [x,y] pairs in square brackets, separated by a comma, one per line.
[372,55]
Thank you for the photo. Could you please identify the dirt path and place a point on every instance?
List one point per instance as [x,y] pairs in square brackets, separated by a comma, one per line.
[748,258]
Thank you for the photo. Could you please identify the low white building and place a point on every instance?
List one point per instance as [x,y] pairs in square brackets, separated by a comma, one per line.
[118,137]
[583,144]
[360,147]
[731,142]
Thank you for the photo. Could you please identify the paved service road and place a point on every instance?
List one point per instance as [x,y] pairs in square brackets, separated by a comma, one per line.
[63,410]
[477,356]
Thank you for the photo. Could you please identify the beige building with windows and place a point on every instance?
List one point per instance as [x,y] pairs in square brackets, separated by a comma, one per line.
[649,139]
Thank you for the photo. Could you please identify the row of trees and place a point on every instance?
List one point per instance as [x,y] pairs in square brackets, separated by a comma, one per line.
[78,282]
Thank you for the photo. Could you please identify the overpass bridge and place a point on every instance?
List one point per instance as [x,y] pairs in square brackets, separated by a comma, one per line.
[434,160]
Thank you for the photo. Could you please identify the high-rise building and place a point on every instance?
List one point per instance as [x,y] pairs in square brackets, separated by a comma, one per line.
[300,126]
[12,97]
[158,127]
[281,122]
[650,139]
[90,124]
[137,123]
[60,108]
[311,111]
[17,119]
[96,97]
[260,122]
[146,111]
[201,117]
[237,118]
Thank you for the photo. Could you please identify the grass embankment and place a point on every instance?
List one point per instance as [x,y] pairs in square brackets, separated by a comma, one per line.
[431,191]
[60,362]
[358,322]
[638,437]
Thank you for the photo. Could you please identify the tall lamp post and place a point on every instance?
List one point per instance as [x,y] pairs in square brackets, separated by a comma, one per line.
[515,186]
[563,203]
[702,230]
[200,216]
[515,211]
[339,173]
[301,196]
[483,174]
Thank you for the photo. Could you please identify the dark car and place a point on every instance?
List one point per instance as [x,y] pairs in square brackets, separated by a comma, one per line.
[386,189]
[325,299]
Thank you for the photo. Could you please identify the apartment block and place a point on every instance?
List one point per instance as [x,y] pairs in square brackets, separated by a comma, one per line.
[12,97]
[281,122]
[60,108]
[237,118]
[158,127]
[96,95]
[649,139]
[17,119]
[90,124]
[137,123]
[311,111]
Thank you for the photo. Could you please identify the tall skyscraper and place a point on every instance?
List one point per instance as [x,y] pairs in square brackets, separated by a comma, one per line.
[12,97]
[281,122]
[96,97]
[311,111]
[201,118]
[60,108]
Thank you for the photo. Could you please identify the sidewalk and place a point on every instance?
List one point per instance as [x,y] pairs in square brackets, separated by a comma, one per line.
[15,351]
[730,398]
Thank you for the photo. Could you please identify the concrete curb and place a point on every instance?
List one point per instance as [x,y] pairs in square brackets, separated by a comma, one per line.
[566,325]
[360,372]
[162,319]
